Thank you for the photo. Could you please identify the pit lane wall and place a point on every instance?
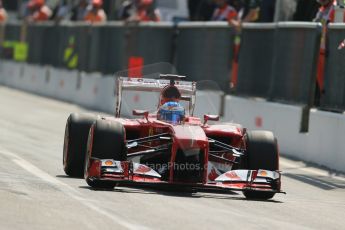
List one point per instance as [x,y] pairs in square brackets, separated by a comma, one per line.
[322,144]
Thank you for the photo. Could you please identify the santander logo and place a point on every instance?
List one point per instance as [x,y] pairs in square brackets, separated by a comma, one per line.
[232,175]
[142,169]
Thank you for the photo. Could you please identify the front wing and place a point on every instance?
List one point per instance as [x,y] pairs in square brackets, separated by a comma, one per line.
[129,172]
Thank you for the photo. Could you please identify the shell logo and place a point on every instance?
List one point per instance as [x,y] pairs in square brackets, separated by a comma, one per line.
[263,173]
[108,163]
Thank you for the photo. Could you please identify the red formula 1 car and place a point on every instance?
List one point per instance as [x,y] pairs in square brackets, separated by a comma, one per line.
[170,147]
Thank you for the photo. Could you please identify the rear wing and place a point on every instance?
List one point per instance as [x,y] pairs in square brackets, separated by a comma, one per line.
[187,89]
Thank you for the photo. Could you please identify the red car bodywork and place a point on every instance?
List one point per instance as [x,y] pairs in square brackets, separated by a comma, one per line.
[215,148]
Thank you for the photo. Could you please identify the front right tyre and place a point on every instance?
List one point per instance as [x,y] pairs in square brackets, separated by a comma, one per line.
[262,153]
[106,141]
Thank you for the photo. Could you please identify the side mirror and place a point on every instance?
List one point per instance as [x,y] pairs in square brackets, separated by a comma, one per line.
[208,117]
[138,112]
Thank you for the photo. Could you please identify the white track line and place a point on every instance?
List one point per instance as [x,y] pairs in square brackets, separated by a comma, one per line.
[68,190]
[319,172]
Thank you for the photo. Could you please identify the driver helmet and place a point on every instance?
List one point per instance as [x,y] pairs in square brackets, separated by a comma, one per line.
[171,112]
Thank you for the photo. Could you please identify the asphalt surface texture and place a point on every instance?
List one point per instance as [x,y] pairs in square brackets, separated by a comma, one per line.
[36,194]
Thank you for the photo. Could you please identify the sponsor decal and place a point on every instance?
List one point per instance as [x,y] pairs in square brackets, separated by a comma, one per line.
[109,163]
[232,175]
[258,121]
[263,173]
[142,169]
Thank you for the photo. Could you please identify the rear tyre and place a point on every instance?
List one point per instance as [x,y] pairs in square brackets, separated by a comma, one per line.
[106,141]
[76,134]
[262,152]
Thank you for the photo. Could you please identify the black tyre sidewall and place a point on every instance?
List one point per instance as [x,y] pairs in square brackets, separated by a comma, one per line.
[75,141]
[106,140]
[262,153]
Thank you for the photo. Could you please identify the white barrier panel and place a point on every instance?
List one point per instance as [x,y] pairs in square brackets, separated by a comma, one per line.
[33,79]
[105,98]
[62,84]
[11,73]
[29,78]
[88,90]
[326,145]
[283,120]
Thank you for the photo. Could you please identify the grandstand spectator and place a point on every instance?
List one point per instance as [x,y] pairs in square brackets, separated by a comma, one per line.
[225,12]
[38,11]
[139,10]
[192,9]
[201,10]
[251,11]
[248,10]
[96,12]
[305,10]
[3,14]
[62,11]
[126,9]
[325,15]
[79,10]
[267,10]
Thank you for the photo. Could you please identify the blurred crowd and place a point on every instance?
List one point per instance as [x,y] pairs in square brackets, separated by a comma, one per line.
[146,10]
[245,10]
[3,13]
[84,10]
[233,11]
[91,11]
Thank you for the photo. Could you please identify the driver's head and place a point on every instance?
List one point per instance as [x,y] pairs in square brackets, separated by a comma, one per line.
[170,93]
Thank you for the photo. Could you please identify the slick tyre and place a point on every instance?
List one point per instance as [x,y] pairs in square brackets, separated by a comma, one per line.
[76,134]
[262,152]
[106,141]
